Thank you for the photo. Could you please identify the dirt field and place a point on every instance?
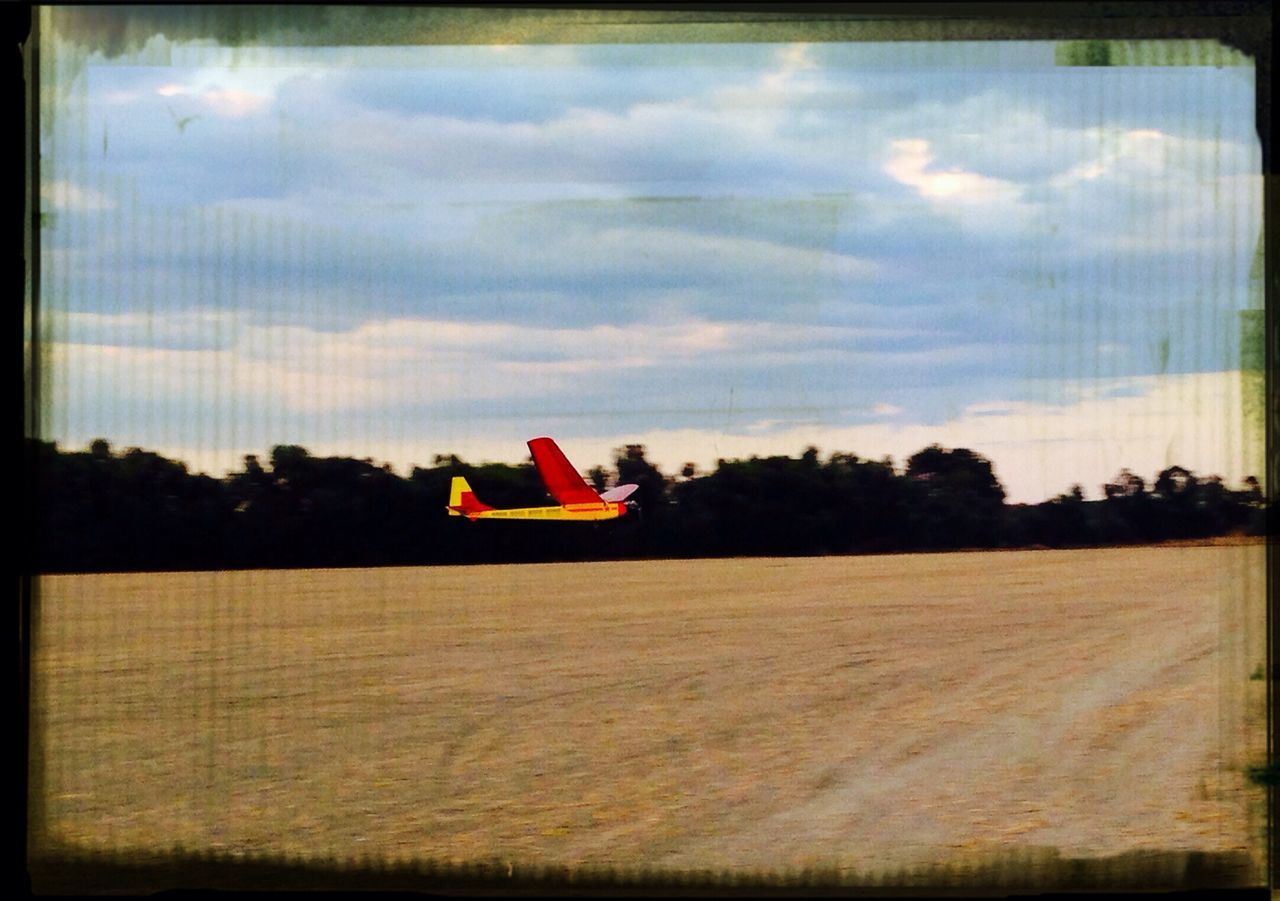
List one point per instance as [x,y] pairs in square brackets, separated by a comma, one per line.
[764,713]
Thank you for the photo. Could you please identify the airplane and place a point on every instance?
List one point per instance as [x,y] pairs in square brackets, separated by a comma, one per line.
[578,501]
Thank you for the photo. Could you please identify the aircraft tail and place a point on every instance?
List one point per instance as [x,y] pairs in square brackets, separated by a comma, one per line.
[563,482]
[462,500]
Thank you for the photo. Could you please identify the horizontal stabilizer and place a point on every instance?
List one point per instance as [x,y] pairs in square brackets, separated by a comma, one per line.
[620,493]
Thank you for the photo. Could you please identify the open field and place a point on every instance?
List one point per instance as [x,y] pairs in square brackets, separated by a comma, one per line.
[757,713]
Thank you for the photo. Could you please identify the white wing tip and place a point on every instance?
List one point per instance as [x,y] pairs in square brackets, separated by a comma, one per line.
[619,493]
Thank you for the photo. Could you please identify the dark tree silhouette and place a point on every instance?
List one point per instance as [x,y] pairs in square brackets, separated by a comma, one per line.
[99,510]
[956,498]
[633,468]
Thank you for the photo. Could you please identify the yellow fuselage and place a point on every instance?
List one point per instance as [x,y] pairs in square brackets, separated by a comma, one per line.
[571,512]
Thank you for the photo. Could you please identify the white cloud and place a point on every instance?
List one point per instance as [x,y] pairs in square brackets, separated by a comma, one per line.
[992,160]
[1148,147]
[234,103]
[700,137]
[134,328]
[1086,171]
[1148,156]
[1038,450]
[979,203]
[1155,192]
[911,160]
[231,91]
[997,407]
[782,81]
[209,356]
[67,195]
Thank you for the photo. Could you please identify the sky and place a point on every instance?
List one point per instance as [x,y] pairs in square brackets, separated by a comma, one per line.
[713,250]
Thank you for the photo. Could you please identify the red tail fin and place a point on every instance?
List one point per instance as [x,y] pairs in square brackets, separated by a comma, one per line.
[561,479]
[462,500]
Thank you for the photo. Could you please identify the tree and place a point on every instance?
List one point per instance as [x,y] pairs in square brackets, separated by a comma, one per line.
[1128,512]
[957,470]
[1063,521]
[1175,482]
[1175,491]
[957,500]
[1125,484]
[633,468]
[1253,490]
[102,511]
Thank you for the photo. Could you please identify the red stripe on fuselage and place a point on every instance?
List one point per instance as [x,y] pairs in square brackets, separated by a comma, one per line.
[469,504]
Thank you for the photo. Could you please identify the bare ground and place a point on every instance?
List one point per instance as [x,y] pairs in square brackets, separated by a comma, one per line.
[862,712]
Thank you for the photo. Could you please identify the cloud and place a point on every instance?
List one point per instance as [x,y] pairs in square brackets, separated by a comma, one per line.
[407,374]
[193,329]
[1038,450]
[910,163]
[67,195]
[234,103]
[384,363]
[354,237]
[1150,157]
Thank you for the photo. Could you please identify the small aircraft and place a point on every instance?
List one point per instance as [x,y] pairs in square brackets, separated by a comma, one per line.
[578,501]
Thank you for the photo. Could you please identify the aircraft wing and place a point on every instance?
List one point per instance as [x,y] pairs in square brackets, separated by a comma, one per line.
[558,474]
[620,493]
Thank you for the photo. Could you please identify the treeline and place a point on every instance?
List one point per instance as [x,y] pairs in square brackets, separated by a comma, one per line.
[99,510]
